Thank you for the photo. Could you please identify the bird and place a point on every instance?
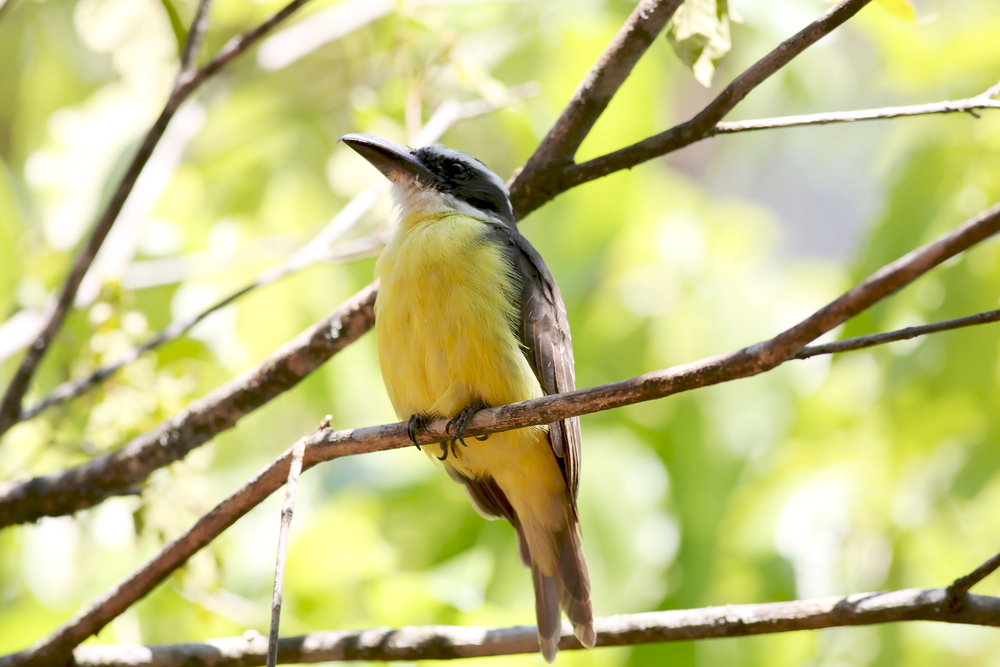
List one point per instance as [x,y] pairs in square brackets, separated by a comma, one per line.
[468,316]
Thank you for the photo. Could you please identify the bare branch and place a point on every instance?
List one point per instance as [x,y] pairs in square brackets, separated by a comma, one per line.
[119,472]
[959,589]
[89,484]
[195,36]
[861,342]
[291,486]
[187,82]
[315,250]
[593,95]
[969,104]
[327,444]
[693,130]
[444,642]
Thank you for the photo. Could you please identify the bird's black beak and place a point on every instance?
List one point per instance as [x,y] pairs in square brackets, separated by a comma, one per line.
[390,158]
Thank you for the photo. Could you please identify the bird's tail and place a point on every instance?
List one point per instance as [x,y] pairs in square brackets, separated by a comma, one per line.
[567,587]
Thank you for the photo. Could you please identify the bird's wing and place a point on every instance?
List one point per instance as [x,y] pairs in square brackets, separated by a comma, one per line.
[547,345]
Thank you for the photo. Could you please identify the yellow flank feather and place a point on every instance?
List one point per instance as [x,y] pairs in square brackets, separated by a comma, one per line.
[445,319]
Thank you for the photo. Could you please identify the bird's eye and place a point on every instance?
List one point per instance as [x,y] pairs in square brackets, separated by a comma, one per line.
[457,171]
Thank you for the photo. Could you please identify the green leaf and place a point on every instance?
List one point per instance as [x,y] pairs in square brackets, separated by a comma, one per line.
[699,35]
[180,32]
[900,9]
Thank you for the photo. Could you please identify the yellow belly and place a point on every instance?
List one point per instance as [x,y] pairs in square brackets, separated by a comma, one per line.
[444,318]
[444,321]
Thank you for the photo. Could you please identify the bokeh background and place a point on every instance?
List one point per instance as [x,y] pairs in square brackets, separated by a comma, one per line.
[872,470]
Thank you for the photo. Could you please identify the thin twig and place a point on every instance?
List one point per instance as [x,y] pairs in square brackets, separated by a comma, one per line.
[981,101]
[195,36]
[445,642]
[594,94]
[861,342]
[287,509]
[959,589]
[187,82]
[696,129]
[326,444]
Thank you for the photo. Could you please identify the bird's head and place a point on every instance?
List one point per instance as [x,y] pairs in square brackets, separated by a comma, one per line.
[436,179]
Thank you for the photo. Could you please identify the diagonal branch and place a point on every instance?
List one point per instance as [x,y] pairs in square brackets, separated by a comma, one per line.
[693,130]
[195,36]
[959,589]
[594,94]
[116,473]
[446,642]
[119,472]
[315,250]
[861,342]
[327,444]
[187,82]
[967,105]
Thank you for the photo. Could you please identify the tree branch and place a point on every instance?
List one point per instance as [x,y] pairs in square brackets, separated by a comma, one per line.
[118,473]
[861,342]
[115,473]
[592,97]
[443,642]
[187,82]
[959,589]
[326,444]
[696,129]
[315,250]
[195,36]
[967,105]
[287,509]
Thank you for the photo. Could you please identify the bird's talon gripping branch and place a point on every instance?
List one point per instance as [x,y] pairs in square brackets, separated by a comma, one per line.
[416,424]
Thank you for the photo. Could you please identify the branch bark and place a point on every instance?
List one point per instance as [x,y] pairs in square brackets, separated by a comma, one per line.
[968,105]
[696,129]
[861,342]
[118,473]
[315,250]
[187,82]
[591,98]
[326,444]
[451,642]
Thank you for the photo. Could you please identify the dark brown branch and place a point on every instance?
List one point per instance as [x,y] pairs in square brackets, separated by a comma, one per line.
[959,589]
[983,101]
[592,97]
[187,82]
[861,342]
[327,444]
[695,129]
[445,642]
[287,509]
[119,472]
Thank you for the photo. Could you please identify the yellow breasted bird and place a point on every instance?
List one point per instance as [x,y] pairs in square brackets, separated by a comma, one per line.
[468,316]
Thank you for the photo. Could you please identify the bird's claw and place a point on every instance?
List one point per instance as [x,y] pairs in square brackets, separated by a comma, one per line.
[415,424]
[460,423]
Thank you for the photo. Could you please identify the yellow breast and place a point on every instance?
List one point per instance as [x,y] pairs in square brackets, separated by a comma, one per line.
[445,318]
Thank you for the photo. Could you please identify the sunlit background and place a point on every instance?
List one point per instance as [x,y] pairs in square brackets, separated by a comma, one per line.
[874,470]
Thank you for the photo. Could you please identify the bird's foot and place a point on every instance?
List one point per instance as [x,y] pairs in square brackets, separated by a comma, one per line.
[460,423]
[415,425]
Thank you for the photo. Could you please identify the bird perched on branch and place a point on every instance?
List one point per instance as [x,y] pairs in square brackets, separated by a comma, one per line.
[468,316]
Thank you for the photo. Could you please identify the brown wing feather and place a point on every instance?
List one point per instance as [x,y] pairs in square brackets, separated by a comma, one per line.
[547,345]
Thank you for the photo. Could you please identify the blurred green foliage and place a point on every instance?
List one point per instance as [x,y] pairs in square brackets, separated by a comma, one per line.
[873,470]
